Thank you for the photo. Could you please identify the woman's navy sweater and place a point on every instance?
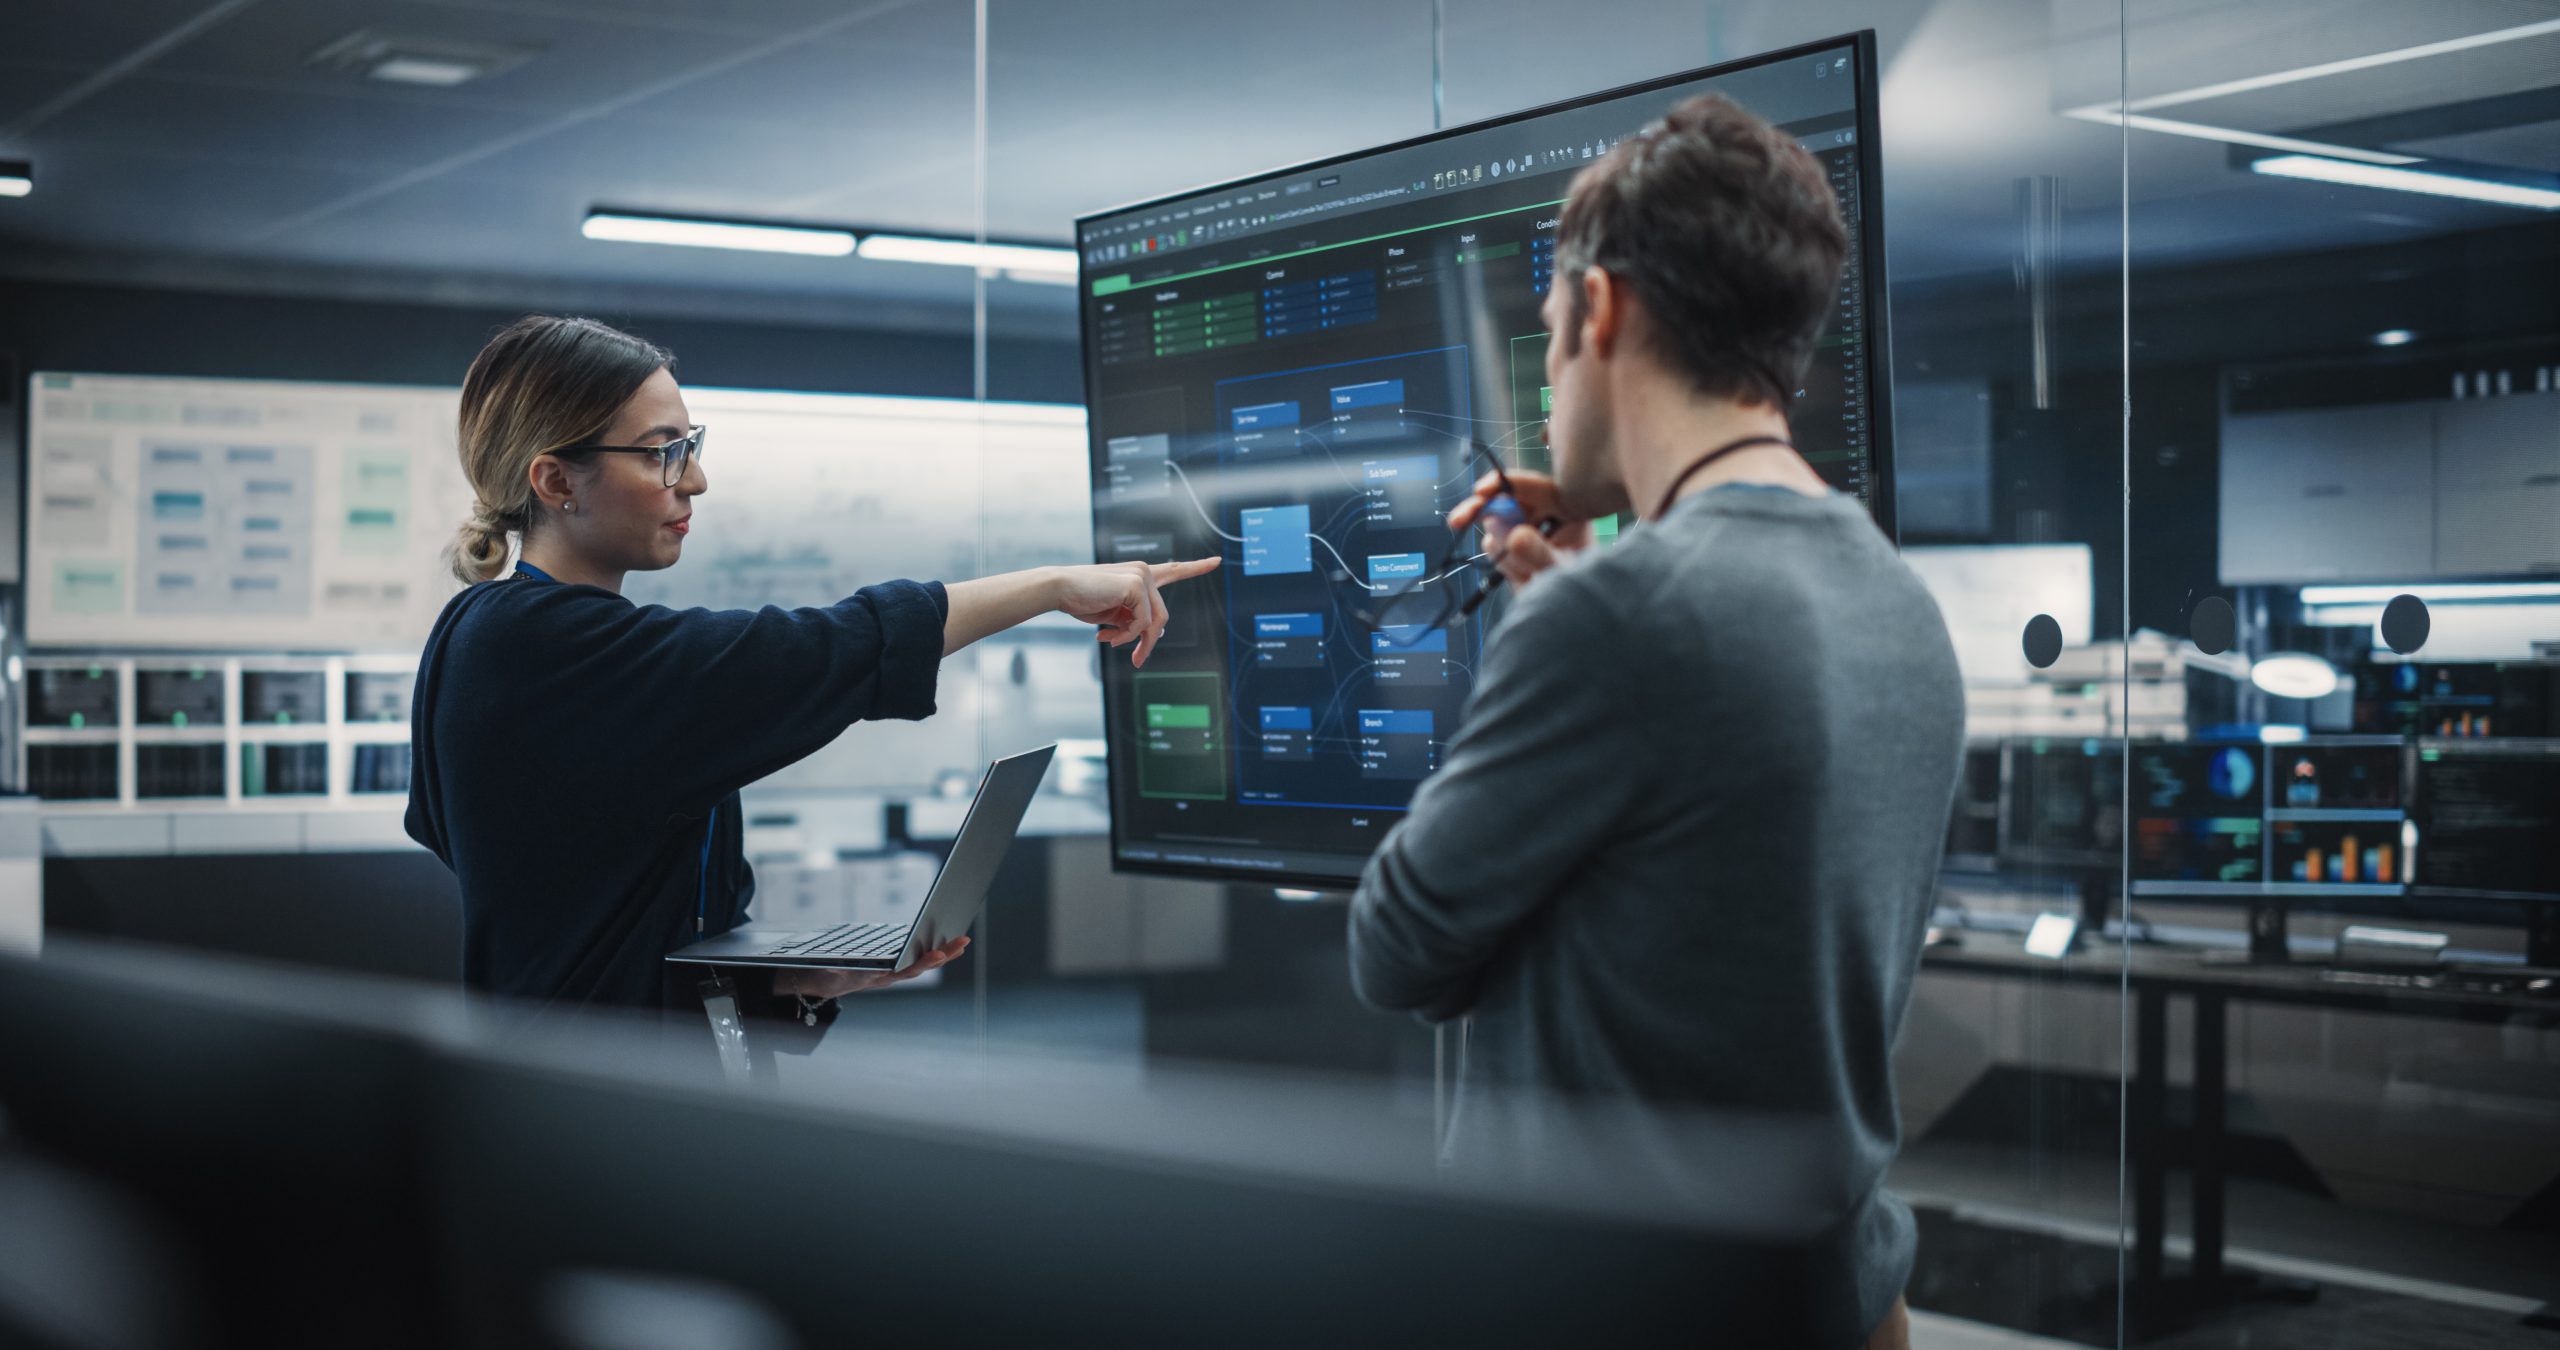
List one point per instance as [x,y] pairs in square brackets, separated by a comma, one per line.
[577,760]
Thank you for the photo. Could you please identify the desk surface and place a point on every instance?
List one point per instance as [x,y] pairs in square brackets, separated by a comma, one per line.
[2178,970]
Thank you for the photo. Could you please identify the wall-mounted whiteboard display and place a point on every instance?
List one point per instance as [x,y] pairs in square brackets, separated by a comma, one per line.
[224,515]
[257,516]
[814,496]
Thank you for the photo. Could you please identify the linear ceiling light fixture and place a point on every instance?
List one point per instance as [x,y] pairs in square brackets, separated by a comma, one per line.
[2353,63]
[1024,262]
[17,178]
[633,227]
[2436,593]
[2106,115]
[2130,113]
[2320,169]
[1019,262]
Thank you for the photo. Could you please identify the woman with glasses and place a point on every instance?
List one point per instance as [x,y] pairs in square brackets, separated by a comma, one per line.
[577,758]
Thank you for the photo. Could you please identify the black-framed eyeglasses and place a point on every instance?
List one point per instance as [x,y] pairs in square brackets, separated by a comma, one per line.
[1447,590]
[674,457]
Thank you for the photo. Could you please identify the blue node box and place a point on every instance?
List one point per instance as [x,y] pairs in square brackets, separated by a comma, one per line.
[1276,541]
[1288,640]
[1386,570]
[1288,733]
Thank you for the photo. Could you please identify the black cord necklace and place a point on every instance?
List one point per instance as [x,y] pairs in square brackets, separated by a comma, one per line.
[1673,492]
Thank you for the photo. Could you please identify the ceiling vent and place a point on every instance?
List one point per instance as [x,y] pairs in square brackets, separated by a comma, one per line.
[435,62]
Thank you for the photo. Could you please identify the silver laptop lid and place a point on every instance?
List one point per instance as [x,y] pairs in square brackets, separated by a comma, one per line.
[986,835]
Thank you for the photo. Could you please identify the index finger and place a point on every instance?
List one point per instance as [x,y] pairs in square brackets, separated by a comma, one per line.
[1486,489]
[1163,572]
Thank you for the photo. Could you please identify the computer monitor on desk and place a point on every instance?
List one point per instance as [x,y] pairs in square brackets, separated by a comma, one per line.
[2062,817]
[2484,824]
[226,1098]
[2269,826]
[2063,804]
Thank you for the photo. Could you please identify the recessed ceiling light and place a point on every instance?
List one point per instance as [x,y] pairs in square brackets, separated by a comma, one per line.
[756,237]
[2393,337]
[425,70]
[435,62]
[2320,169]
[17,178]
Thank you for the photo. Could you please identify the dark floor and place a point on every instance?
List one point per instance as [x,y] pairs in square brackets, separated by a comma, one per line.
[2057,1287]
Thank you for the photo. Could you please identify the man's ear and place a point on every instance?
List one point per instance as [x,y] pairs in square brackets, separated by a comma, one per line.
[1603,311]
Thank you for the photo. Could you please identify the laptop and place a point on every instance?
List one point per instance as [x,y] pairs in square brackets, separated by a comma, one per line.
[958,893]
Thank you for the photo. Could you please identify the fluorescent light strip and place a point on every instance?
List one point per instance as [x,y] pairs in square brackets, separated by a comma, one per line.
[2321,170]
[1009,258]
[2327,68]
[2434,594]
[632,229]
[13,186]
[2106,115]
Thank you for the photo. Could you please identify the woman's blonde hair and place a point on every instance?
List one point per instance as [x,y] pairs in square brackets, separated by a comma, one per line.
[543,382]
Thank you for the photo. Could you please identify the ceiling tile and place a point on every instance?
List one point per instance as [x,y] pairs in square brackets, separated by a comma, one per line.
[25,87]
[90,34]
[579,60]
[2535,145]
[124,199]
[216,121]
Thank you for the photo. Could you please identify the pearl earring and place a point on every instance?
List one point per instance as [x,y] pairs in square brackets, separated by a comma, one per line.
[570,507]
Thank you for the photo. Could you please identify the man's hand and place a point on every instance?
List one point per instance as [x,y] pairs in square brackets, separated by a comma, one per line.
[1518,549]
[838,983]
[1126,600]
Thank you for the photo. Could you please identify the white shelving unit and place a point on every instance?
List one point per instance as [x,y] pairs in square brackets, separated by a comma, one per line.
[336,820]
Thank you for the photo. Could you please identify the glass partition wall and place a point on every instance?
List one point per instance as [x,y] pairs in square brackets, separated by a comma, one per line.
[2004,236]
[2344,270]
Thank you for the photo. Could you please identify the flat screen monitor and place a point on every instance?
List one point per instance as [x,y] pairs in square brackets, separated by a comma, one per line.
[2450,699]
[2064,803]
[189,697]
[2485,819]
[2199,817]
[2307,819]
[283,697]
[1285,371]
[71,696]
[1973,823]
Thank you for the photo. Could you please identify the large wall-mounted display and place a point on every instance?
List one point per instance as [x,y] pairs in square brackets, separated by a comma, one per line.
[1288,371]
[230,515]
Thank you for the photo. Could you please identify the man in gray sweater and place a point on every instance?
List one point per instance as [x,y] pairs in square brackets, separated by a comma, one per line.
[1679,859]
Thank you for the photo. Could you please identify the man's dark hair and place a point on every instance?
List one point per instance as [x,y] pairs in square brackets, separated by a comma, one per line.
[1728,235]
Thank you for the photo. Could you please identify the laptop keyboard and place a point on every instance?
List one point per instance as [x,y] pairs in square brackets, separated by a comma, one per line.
[856,941]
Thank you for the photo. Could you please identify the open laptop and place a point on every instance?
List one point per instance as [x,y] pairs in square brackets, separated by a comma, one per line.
[958,893]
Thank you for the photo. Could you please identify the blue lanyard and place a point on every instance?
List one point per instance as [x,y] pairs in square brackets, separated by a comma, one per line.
[702,878]
[710,829]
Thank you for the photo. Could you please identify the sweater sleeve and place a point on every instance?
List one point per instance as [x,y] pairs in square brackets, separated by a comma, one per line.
[700,703]
[1543,768]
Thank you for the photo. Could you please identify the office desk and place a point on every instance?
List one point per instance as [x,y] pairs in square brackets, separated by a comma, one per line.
[2153,975]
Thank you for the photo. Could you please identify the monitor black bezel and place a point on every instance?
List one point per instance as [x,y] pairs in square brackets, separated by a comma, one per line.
[1861,44]
[2492,747]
